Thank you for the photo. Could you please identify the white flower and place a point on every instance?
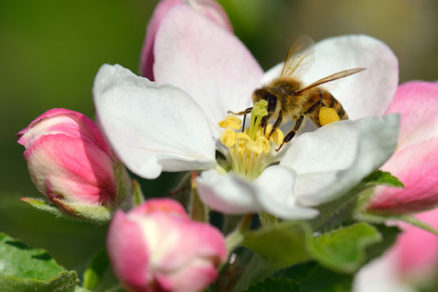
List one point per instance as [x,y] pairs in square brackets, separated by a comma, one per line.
[202,72]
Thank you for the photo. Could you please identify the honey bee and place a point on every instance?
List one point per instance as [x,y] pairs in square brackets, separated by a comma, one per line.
[287,98]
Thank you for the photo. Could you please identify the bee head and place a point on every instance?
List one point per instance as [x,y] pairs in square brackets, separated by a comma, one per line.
[262,93]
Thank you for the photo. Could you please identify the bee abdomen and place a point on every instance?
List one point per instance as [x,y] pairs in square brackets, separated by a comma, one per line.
[328,100]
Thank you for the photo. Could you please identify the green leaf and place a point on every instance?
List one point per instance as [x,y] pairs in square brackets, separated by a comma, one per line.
[26,269]
[312,277]
[343,249]
[283,244]
[275,284]
[379,177]
[99,275]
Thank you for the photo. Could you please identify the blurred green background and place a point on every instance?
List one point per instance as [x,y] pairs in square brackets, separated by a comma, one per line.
[51,50]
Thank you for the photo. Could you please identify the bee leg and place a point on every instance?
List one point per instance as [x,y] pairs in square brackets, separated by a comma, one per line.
[264,123]
[244,113]
[292,132]
[276,124]
[247,111]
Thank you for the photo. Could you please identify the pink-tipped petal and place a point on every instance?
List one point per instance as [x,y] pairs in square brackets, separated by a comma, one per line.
[147,54]
[208,8]
[207,62]
[417,103]
[415,162]
[213,11]
[417,168]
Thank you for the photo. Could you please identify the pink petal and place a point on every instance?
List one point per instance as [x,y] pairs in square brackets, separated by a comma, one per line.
[417,102]
[184,240]
[128,252]
[147,55]
[417,250]
[209,8]
[71,167]
[207,62]
[196,275]
[168,206]
[417,167]
[68,122]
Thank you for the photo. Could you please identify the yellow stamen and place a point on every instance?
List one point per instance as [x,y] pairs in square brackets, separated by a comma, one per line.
[327,115]
[249,148]
[228,137]
[231,121]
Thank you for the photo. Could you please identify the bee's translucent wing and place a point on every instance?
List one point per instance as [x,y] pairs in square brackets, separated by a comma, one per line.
[299,57]
[332,77]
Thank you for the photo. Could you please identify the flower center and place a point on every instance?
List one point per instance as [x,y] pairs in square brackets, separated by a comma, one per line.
[250,148]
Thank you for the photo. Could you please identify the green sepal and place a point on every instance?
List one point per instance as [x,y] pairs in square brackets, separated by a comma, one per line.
[78,211]
[379,177]
[137,192]
[45,206]
[27,269]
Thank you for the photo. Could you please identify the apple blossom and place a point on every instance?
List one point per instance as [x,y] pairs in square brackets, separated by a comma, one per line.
[415,161]
[70,162]
[179,123]
[156,247]
[209,8]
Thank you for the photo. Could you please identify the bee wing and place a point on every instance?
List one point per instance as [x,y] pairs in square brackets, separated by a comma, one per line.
[336,76]
[300,55]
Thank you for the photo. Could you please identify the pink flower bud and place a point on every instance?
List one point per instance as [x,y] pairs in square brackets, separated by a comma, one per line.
[156,247]
[70,162]
[209,8]
[415,162]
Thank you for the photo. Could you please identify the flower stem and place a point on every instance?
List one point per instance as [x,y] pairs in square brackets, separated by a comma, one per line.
[238,235]
[198,211]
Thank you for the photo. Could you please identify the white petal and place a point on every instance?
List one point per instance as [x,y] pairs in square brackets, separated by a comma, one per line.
[227,193]
[275,194]
[152,127]
[207,62]
[270,193]
[367,93]
[334,158]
